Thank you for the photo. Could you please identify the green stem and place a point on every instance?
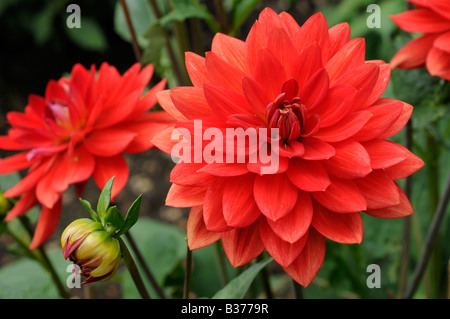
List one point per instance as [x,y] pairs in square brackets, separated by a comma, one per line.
[298,290]
[145,268]
[264,274]
[136,48]
[187,275]
[42,257]
[221,261]
[134,272]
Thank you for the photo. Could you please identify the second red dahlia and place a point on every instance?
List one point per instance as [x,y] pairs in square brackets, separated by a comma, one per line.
[314,87]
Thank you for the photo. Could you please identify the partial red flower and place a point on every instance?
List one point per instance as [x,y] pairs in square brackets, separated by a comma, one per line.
[431,18]
[314,85]
[79,129]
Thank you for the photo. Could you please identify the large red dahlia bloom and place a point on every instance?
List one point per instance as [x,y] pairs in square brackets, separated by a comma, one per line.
[432,48]
[313,85]
[79,129]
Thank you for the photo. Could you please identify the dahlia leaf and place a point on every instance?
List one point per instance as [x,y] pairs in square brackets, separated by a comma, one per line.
[104,200]
[113,220]
[88,206]
[131,216]
[237,288]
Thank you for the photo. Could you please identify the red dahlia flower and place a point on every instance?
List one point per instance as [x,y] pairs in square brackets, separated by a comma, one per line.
[79,129]
[314,85]
[432,48]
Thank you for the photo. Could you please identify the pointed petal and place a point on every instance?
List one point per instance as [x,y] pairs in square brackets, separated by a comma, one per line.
[238,203]
[186,174]
[74,167]
[295,224]
[242,245]
[255,95]
[314,30]
[224,74]
[385,153]
[165,100]
[414,53]
[421,20]
[350,55]
[224,102]
[197,234]
[275,205]
[407,167]
[107,167]
[342,196]
[438,63]
[48,220]
[269,73]
[108,142]
[14,163]
[398,125]
[315,90]
[22,206]
[345,128]
[384,115]
[307,64]
[196,68]
[230,49]
[29,181]
[341,228]
[317,150]
[225,169]
[305,267]
[339,35]
[379,190]
[309,176]
[185,196]
[351,160]
[282,251]
[403,209]
[212,208]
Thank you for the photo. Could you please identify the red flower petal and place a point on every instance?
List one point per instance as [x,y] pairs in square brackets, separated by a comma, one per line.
[197,234]
[282,251]
[339,35]
[295,224]
[379,190]
[185,196]
[384,153]
[421,20]
[438,63]
[345,128]
[306,266]
[14,163]
[269,73]
[239,207]
[341,228]
[48,220]
[22,206]
[443,42]
[351,160]
[108,142]
[309,176]
[242,245]
[212,208]
[230,49]
[403,209]
[314,30]
[317,150]
[275,205]
[196,68]
[400,122]
[350,55]
[407,167]
[342,196]
[223,74]
[414,53]
[306,65]
[107,167]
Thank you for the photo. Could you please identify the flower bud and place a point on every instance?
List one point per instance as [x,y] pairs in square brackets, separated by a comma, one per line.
[88,245]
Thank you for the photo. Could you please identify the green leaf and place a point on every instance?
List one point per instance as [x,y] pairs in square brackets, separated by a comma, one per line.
[105,199]
[88,206]
[237,288]
[131,217]
[113,219]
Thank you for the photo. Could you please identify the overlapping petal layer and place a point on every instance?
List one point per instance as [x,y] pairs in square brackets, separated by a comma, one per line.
[432,47]
[80,128]
[314,87]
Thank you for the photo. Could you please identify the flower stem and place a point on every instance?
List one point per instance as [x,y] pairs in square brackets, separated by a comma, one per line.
[188,272]
[134,41]
[42,257]
[145,268]
[134,272]
[430,241]
[406,246]
[221,261]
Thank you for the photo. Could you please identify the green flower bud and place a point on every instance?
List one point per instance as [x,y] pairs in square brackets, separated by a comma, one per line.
[88,245]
